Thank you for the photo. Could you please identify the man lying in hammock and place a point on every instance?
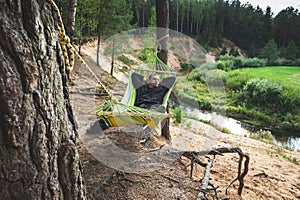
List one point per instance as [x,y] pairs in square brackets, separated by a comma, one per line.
[149,95]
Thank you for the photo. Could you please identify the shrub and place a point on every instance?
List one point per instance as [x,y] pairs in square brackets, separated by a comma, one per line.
[204,104]
[186,68]
[146,53]
[123,69]
[199,73]
[290,101]
[236,80]
[207,66]
[262,93]
[215,77]
[281,62]
[253,62]
[234,52]
[232,62]
[194,75]
[223,51]
[263,135]
[221,65]
[296,62]
[286,62]
[229,65]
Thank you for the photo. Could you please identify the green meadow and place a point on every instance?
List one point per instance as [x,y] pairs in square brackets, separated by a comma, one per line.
[264,96]
[285,75]
[267,105]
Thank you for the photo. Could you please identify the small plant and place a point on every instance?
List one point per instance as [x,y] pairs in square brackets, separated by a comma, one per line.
[126,60]
[263,135]
[177,114]
[72,82]
[146,53]
[289,158]
[226,130]
[271,152]
[189,125]
[222,129]
[123,69]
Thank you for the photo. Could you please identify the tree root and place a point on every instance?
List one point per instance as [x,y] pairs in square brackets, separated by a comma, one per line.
[193,156]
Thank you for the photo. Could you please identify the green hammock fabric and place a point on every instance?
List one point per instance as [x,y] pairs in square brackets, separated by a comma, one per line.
[124,113]
[116,114]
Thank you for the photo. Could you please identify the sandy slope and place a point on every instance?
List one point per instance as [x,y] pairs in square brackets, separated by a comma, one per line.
[270,176]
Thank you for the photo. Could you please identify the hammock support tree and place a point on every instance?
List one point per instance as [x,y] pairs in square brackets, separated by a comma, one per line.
[125,113]
[113,112]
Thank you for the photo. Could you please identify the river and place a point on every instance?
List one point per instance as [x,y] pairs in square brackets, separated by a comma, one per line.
[236,127]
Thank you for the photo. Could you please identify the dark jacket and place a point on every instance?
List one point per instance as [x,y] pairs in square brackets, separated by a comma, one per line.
[147,97]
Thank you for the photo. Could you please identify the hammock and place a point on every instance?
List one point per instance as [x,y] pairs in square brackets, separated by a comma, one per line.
[124,113]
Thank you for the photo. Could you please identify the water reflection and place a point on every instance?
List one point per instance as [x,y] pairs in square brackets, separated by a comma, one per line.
[290,141]
[237,128]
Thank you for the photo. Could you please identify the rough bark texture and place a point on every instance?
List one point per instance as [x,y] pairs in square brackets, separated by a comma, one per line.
[99,35]
[162,22]
[38,153]
[162,33]
[68,12]
[71,18]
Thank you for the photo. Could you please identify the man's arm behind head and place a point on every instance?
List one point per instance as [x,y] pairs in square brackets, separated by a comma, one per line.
[137,80]
[168,82]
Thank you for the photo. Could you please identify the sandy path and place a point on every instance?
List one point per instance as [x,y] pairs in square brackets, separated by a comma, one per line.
[105,63]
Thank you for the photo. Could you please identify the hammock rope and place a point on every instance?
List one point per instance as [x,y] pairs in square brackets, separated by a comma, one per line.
[116,113]
[66,47]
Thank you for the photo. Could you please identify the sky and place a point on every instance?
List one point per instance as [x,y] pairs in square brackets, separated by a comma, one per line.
[276,5]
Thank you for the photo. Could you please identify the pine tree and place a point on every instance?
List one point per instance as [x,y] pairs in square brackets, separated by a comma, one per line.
[116,16]
[290,52]
[270,51]
[223,51]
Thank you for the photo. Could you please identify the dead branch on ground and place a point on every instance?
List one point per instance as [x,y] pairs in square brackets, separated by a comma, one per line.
[194,157]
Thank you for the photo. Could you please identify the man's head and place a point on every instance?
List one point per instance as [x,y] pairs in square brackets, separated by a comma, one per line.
[153,80]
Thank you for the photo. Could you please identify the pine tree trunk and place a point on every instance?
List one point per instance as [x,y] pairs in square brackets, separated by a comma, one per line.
[99,34]
[137,13]
[71,18]
[162,22]
[177,17]
[38,152]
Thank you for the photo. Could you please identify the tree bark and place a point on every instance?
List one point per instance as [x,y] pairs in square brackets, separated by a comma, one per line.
[71,18]
[99,34]
[162,35]
[38,152]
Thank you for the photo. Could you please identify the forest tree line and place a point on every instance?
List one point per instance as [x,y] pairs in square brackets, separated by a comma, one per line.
[208,21]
